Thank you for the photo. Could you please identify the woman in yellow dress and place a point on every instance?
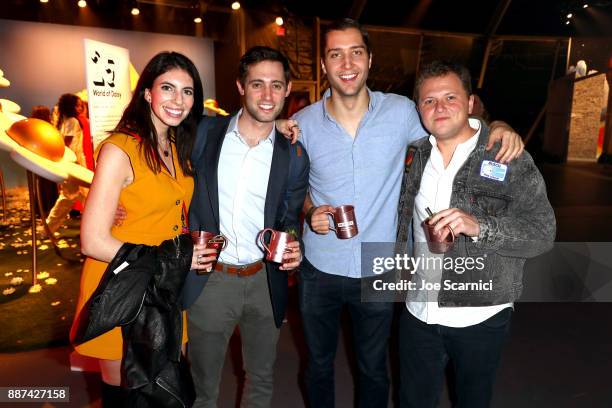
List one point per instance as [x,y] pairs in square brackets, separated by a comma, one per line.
[145,167]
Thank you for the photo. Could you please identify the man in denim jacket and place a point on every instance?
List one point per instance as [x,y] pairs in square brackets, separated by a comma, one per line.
[460,309]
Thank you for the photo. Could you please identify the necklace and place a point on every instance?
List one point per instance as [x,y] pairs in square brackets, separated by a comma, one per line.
[165,150]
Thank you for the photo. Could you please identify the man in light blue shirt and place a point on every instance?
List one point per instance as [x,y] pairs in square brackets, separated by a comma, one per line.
[363,170]
[356,140]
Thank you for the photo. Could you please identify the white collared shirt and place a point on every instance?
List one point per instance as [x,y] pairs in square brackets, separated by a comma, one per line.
[242,177]
[435,193]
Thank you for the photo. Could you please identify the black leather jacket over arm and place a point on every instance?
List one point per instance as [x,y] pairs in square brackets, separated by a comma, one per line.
[143,299]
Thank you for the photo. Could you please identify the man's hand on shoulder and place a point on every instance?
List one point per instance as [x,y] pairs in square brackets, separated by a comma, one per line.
[511,143]
[289,128]
[120,215]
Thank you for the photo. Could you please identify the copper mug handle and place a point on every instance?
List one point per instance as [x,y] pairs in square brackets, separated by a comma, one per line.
[332,213]
[261,238]
[451,232]
[219,238]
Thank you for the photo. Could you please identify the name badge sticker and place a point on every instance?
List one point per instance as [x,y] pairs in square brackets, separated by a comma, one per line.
[493,170]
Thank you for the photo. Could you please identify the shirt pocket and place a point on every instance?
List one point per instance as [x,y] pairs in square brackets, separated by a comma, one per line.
[382,148]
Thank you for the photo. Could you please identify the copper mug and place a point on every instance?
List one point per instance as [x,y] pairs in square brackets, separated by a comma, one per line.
[216,241]
[277,245]
[344,221]
[435,242]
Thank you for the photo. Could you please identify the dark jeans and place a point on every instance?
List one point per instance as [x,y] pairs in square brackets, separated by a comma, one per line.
[322,297]
[474,351]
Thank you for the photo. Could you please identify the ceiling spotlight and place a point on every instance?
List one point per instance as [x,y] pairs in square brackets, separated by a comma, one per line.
[197,20]
[44,1]
[585,5]
[235,5]
[567,22]
[570,15]
[279,21]
[135,11]
[82,3]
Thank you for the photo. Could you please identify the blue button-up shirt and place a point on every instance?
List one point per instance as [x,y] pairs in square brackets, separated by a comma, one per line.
[365,172]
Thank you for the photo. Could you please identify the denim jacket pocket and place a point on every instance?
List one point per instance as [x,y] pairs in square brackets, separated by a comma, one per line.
[489,203]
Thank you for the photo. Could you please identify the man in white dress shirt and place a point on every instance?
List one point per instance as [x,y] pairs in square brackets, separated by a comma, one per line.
[500,216]
[248,177]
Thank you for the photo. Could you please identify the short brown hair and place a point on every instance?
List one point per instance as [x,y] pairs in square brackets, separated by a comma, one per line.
[258,54]
[342,25]
[441,68]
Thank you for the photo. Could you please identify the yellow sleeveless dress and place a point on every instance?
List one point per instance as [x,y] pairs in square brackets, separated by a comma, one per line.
[154,204]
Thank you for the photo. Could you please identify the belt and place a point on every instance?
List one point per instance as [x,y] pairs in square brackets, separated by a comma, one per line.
[240,270]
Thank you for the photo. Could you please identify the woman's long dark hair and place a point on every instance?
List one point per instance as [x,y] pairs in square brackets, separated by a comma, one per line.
[137,115]
[66,108]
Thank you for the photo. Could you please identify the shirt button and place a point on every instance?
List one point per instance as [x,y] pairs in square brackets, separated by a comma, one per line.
[178,202]
[175,228]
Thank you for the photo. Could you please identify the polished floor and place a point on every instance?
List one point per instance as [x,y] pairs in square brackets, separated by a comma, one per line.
[558,355]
